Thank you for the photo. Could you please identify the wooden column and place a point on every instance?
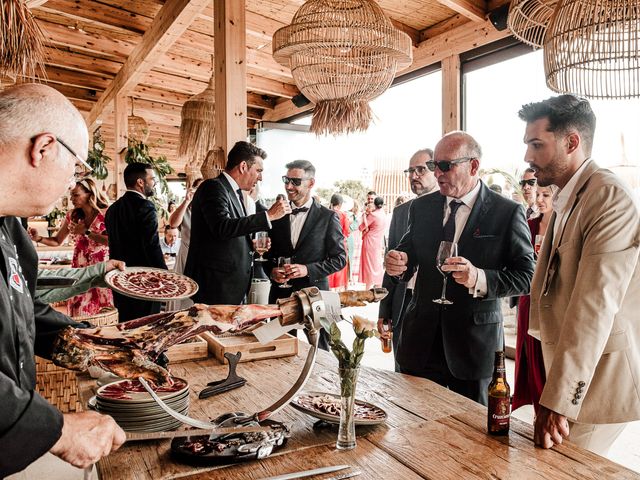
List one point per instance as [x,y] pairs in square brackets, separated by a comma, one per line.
[451,94]
[230,72]
[121,126]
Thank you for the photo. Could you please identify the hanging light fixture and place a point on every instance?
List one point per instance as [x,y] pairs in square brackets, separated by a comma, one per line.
[137,127]
[22,50]
[528,20]
[592,48]
[197,126]
[342,54]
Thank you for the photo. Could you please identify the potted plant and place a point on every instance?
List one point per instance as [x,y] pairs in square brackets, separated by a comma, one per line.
[97,158]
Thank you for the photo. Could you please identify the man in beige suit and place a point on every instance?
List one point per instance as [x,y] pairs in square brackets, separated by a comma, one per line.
[585,295]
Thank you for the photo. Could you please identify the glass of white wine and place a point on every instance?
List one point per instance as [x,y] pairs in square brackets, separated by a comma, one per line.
[262,245]
[282,262]
[446,250]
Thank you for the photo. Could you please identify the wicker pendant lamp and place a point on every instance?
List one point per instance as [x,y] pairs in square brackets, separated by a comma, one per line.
[592,48]
[528,20]
[197,127]
[342,54]
[21,42]
[137,127]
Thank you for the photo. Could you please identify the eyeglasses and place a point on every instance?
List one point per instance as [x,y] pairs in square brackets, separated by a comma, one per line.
[295,181]
[419,171]
[531,182]
[445,165]
[83,169]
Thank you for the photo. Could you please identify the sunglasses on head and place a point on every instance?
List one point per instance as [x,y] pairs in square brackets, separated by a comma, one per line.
[295,181]
[445,165]
[531,182]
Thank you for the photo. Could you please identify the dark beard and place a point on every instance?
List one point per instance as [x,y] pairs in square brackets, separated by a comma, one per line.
[149,192]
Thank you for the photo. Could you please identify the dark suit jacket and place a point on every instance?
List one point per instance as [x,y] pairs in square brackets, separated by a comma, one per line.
[320,247]
[391,305]
[496,238]
[220,249]
[132,227]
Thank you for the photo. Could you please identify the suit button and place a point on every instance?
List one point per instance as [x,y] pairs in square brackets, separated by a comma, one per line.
[581,383]
[579,390]
[577,395]
[574,401]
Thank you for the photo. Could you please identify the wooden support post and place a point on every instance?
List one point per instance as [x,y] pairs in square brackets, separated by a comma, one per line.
[121,125]
[451,94]
[230,72]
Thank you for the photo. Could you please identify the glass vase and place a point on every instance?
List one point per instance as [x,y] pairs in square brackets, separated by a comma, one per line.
[347,429]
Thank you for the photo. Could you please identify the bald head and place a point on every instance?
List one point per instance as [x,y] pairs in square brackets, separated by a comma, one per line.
[462,143]
[463,154]
[32,119]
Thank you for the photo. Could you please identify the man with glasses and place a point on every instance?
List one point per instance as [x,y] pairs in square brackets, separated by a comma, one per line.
[454,345]
[585,294]
[422,182]
[528,184]
[132,228]
[311,236]
[37,169]
[220,249]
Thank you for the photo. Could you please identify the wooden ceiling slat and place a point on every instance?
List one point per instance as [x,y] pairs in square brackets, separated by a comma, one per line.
[473,10]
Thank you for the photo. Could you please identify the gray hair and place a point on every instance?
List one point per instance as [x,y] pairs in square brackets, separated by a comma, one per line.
[306,165]
[27,110]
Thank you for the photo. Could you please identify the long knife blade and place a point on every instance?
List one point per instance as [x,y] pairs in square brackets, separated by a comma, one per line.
[308,473]
[135,436]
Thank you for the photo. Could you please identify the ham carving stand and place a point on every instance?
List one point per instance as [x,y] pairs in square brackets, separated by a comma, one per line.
[308,309]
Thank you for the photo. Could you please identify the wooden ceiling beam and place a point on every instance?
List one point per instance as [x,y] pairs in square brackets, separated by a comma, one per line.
[412,32]
[285,109]
[447,25]
[171,22]
[474,10]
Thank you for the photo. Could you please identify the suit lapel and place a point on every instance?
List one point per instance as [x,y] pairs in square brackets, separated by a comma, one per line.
[312,215]
[235,201]
[479,210]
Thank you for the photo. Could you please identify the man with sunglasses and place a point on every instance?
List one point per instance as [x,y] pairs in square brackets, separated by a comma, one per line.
[528,184]
[220,250]
[422,181]
[585,294]
[37,169]
[454,345]
[311,236]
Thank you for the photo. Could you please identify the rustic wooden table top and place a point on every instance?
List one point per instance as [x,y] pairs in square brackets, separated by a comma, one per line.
[430,432]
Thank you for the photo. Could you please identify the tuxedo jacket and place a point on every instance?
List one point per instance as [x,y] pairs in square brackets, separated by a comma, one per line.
[391,305]
[320,248]
[132,228]
[496,238]
[220,249]
[585,299]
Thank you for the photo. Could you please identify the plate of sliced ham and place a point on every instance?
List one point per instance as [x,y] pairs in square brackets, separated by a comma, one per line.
[154,284]
[326,406]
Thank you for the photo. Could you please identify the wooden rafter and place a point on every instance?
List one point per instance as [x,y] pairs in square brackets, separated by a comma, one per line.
[474,10]
[171,22]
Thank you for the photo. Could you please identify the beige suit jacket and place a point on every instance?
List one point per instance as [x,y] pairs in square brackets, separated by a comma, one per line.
[585,304]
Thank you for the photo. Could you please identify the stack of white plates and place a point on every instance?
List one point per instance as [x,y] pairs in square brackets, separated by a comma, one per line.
[135,410]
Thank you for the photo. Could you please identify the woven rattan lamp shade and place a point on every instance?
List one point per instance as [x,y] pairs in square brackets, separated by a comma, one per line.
[342,54]
[591,48]
[197,127]
[137,127]
[528,20]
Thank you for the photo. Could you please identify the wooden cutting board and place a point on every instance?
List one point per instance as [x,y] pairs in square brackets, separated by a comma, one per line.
[250,347]
[193,349]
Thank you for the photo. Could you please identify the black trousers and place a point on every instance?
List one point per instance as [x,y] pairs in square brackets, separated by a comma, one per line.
[438,371]
[397,326]
[130,308]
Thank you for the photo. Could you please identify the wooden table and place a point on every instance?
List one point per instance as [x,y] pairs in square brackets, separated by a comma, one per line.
[430,432]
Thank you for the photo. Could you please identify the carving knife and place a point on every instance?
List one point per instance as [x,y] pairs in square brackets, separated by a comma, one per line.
[308,473]
[136,436]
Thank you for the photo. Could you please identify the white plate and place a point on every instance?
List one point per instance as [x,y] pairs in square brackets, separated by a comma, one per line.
[117,279]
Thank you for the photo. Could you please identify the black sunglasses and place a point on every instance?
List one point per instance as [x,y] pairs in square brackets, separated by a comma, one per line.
[531,182]
[419,171]
[445,165]
[296,181]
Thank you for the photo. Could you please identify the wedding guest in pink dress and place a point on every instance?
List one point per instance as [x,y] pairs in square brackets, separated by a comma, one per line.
[373,226]
[340,279]
[85,224]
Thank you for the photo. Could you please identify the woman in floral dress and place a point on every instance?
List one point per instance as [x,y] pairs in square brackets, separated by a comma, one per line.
[85,224]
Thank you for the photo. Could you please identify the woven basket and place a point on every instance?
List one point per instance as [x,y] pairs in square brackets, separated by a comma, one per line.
[59,385]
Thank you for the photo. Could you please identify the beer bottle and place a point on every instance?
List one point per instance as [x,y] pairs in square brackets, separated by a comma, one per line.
[499,399]
[386,340]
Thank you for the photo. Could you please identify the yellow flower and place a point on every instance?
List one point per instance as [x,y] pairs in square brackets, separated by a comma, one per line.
[361,324]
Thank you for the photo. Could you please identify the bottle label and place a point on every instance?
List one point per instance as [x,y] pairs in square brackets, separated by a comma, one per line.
[499,413]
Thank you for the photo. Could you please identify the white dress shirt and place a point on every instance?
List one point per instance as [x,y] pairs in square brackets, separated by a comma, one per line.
[561,199]
[297,221]
[139,193]
[462,215]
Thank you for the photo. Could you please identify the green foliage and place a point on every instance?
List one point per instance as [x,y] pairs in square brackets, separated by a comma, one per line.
[353,188]
[53,216]
[96,157]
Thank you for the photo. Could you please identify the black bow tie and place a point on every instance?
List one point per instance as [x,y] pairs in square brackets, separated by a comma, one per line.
[296,211]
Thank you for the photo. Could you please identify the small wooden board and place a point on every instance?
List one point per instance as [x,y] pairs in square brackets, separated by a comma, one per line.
[193,349]
[251,348]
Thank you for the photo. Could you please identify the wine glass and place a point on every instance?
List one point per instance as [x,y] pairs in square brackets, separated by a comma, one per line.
[282,261]
[262,239]
[538,244]
[446,250]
